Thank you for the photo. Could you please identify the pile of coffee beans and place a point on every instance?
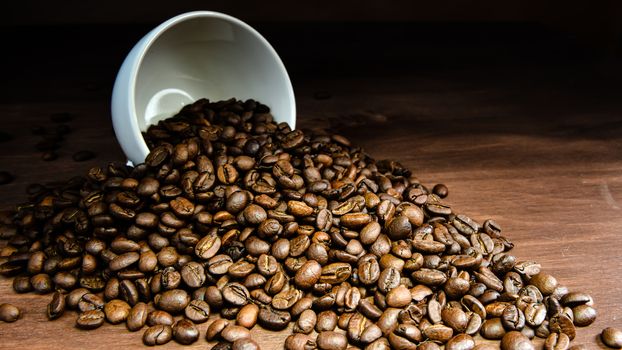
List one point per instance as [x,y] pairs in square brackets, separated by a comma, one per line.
[236,215]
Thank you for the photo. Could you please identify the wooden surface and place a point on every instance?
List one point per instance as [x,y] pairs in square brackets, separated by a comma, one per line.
[537,148]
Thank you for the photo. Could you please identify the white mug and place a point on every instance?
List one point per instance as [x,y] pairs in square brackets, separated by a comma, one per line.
[195,55]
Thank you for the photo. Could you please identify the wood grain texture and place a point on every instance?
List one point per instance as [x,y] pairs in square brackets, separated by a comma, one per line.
[539,150]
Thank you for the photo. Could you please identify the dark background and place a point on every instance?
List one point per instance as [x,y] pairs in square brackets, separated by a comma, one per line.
[82,43]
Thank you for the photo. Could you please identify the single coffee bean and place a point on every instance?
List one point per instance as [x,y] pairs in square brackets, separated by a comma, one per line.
[326,321]
[612,337]
[306,322]
[247,317]
[193,274]
[272,319]
[197,311]
[49,156]
[116,311]
[157,335]
[460,342]
[516,341]
[232,333]
[236,294]
[245,344]
[137,317]
[90,319]
[215,328]
[440,190]
[9,313]
[557,341]
[308,274]
[185,332]
[159,317]
[173,301]
[56,307]
[329,340]
[583,315]
[398,297]
[299,341]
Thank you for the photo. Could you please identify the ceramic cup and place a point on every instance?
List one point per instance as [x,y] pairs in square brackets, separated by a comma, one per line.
[192,56]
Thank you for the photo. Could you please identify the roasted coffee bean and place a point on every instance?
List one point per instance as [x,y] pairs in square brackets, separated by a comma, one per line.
[245,344]
[157,335]
[272,319]
[557,341]
[56,307]
[516,341]
[247,316]
[308,274]
[236,294]
[159,317]
[460,342]
[612,337]
[21,284]
[116,311]
[329,340]
[41,283]
[173,301]
[197,311]
[90,319]
[185,332]
[326,321]
[493,329]
[137,317]
[440,190]
[583,315]
[561,323]
[215,328]
[9,313]
[306,322]
[232,333]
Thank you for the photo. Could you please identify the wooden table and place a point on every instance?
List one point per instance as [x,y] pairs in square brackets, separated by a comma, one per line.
[536,147]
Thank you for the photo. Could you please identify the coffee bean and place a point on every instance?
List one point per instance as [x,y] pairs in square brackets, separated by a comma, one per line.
[56,307]
[137,317]
[398,297]
[329,340]
[299,341]
[236,294]
[185,332]
[326,321]
[516,341]
[90,319]
[116,311]
[440,190]
[557,341]
[82,156]
[232,333]
[157,335]
[612,337]
[272,319]
[245,344]
[9,313]
[173,301]
[197,311]
[460,342]
[583,315]
[247,317]
[308,274]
